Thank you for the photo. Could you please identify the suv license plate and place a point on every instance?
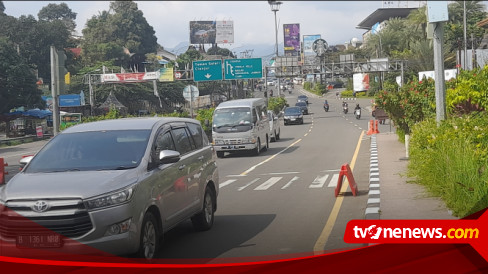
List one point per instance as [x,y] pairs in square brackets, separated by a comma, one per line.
[39,241]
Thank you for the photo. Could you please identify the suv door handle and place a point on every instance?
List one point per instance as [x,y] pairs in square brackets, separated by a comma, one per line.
[181,167]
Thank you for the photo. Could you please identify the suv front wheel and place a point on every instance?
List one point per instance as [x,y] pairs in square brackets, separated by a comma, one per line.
[149,242]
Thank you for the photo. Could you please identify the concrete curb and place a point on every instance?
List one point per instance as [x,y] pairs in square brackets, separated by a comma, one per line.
[373,206]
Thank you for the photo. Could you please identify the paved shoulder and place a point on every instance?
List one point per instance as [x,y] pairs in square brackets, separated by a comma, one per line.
[400,199]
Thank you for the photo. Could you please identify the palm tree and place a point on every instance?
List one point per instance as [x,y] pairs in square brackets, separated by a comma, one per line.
[418,19]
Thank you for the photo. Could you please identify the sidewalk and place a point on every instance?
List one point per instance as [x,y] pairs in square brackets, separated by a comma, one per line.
[399,199]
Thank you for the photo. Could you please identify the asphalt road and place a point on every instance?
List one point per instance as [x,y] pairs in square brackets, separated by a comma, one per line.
[279,204]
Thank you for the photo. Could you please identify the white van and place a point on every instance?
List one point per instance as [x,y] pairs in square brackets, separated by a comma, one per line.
[240,125]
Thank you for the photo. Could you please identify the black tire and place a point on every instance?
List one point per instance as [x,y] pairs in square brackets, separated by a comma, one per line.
[220,154]
[204,220]
[278,136]
[267,144]
[273,139]
[150,237]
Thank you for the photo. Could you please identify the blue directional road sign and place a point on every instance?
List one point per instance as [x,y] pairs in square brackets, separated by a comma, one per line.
[208,70]
[243,68]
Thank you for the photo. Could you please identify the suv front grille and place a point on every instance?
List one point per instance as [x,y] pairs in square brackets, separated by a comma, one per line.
[66,217]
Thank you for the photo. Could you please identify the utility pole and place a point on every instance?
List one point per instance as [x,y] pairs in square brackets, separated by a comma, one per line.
[437,15]
[55,89]
[465,40]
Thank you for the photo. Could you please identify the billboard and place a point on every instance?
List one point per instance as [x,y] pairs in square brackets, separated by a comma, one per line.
[203,32]
[307,44]
[225,32]
[360,81]
[166,75]
[291,39]
[211,32]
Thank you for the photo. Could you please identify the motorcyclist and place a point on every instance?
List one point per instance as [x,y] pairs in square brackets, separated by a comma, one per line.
[344,104]
[326,105]
[357,111]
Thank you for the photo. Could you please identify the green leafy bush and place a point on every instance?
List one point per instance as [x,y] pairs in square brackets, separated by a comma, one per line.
[204,115]
[469,92]
[276,104]
[413,103]
[451,160]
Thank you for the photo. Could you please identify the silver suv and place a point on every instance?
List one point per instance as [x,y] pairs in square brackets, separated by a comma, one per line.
[113,185]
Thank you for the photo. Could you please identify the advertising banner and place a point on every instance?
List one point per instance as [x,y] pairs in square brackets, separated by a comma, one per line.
[291,39]
[203,32]
[448,74]
[129,77]
[307,44]
[225,32]
[166,75]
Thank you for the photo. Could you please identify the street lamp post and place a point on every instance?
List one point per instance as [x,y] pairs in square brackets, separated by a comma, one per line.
[275,6]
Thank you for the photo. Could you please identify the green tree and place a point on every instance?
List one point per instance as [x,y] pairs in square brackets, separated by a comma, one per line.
[131,28]
[185,60]
[17,81]
[475,12]
[215,50]
[62,12]
[113,35]
[33,40]
[2,7]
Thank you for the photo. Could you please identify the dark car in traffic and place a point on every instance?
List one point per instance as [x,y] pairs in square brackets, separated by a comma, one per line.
[303,106]
[293,115]
[302,98]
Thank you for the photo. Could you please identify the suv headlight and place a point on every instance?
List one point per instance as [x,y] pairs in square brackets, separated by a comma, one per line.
[112,199]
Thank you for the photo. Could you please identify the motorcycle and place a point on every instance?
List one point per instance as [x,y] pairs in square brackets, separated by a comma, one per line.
[345,109]
[326,107]
[357,113]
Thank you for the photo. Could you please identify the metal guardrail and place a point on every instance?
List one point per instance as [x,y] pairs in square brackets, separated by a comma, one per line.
[23,139]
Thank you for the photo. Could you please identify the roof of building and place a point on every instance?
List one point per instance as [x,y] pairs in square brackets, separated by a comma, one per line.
[483,23]
[383,14]
[112,101]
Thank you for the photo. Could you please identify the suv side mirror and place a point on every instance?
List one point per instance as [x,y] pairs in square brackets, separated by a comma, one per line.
[169,156]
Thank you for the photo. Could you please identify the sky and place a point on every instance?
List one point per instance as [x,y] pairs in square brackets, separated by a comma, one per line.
[254,22]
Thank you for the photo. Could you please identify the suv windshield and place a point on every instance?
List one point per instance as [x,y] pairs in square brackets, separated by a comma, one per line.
[94,150]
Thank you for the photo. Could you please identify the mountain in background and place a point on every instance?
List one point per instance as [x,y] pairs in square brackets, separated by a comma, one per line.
[264,51]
